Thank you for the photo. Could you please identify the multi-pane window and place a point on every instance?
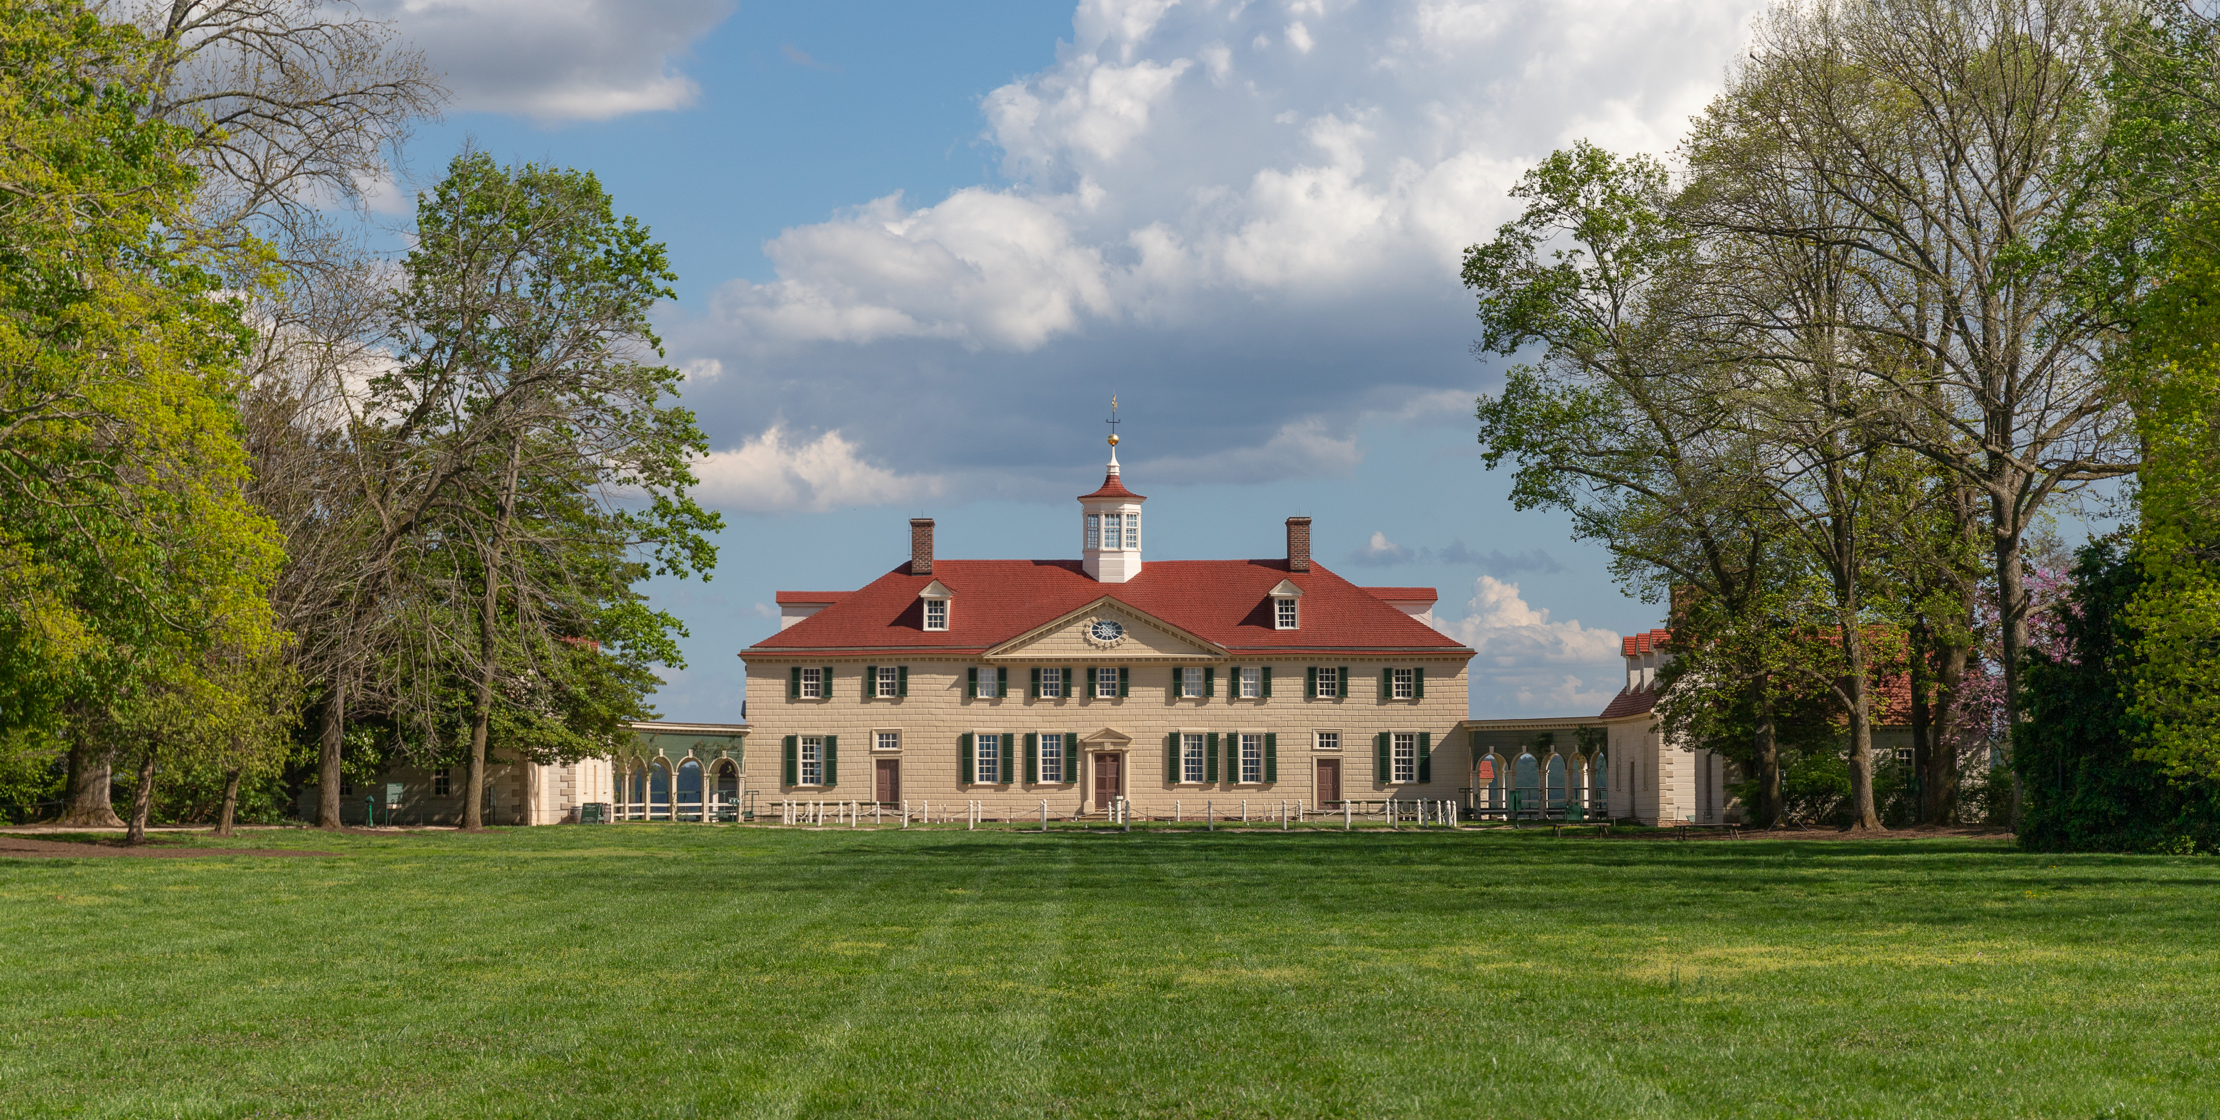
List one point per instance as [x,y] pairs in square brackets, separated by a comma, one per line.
[1113,530]
[1190,683]
[1133,530]
[1329,683]
[936,614]
[1329,740]
[1191,758]
[1252,758]
[443,782]
[890,681]
[1403,756]
[812,760]
[990,682]
[813,684]
[1283,613]
[1052,757]
[1252,682]
[1406,685]
[889,740]
[989,760]
[1094,530]
[1052,683]
[1106,683]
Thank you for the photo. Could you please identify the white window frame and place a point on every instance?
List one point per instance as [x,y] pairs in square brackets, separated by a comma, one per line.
[990,683]
[1332,691]
[813,682]
[886,739]
[1249,758]
[1094,531]
[1106,682]
[809,761]
[936,614]
[889,684]
[1403,684]
[1053,684]
[1133,530]
[1325,740]
[1403,757]
[1193,757]
[1287,614]
[1190,682]
[1252,682]
[1063,755]
[979,757]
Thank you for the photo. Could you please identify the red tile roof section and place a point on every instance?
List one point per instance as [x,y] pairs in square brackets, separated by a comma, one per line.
[1404,594]
[1628,703]
[805,598]
[1223,601]
[1113,487]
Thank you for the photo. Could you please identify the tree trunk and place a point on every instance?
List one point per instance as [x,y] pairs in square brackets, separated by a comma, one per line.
[327,770]
[230,811]
[2011,604]
[90,800]
[489,619]
[142,800]
[1772,812]
[1861,733]
[1938,769]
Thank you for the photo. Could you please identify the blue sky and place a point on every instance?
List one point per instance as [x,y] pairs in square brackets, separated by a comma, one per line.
[920,246]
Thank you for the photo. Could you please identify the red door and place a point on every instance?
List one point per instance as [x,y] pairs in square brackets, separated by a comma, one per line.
[1107,775]
[1329,780]
[889,783]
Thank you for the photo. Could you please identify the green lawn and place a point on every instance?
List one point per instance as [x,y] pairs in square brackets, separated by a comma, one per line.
[677,970]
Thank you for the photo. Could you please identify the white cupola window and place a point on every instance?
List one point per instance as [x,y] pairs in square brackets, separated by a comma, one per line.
[1287,613]
[936,598]
[1110,537]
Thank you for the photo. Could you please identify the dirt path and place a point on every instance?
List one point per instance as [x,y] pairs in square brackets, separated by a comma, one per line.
[47,849]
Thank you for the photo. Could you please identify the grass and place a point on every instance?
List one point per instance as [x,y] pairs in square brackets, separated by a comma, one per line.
[677,970]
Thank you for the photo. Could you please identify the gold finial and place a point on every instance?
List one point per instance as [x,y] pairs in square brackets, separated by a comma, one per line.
[1113,421]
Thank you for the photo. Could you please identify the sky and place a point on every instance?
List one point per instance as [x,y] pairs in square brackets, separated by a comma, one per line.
[920,246]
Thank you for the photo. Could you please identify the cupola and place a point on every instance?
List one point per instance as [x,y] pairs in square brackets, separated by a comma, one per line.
[1110,519]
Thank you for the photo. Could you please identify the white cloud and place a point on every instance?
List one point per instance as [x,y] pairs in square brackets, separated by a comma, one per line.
[772,473]
[1300,449]
[558,60]
[1381,551]
[1523,657]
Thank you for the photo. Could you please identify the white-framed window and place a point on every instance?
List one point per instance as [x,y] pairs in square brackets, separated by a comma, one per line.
[889,683]
[1113,530]
[1052,757]
[987,761]
[1252,682]
[1252,758]
[936,614]
[443,782]
[1326,740]
[1190,682]
[1094,530]
[1133,530]
[1405,684]
[1329,682]
[990,682]
[886,740]
[1283,614]
[1106,683]
[1052,684]
[1403,756]
[1191,757]
[812,761]
[813,684]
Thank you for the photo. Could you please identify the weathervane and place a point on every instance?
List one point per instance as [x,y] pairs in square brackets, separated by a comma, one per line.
[1113,421]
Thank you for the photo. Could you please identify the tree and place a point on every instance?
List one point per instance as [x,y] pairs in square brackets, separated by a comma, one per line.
[528,433]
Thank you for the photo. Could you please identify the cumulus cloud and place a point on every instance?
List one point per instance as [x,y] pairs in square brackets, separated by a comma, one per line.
[1380,551]
[558,60]
[1300,449]
[1526,663]
[774,473]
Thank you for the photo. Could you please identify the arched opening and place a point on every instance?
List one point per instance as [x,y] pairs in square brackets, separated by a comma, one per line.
[635,801]
[1528,778]
[1556,781]
[1497,781]
[1599,793]
[689,790]
[726,805]
[1575,782]
[659,791]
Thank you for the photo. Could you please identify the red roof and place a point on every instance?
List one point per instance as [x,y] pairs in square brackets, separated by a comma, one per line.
[1113,487]
[805,598]
[1630,703]
[1223,601]
[1404,594]
[1891,692]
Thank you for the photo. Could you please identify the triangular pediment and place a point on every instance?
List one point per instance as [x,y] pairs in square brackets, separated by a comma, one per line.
[1107,737]
[1137,634]
[1286,589]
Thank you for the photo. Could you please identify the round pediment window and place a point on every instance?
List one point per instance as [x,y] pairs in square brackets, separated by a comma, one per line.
[1105,632]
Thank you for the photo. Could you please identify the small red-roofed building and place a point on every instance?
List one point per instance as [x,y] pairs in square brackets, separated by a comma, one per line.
[1169,685]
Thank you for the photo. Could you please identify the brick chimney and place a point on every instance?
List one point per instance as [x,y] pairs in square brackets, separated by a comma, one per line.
[921,546]
[1298,544]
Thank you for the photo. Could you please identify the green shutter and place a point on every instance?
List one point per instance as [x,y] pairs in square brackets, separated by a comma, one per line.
[1210,681]
[1036,683]
[1001,682]
[1267,687]
[971,686]
[1387,684]
[794,683]
[1426,756]
[870,681]
[1071,755]
[1210,756]
[1342,689]
[1179,681]
[963,763]
[1032,755]
[1380,771]
[793,759]
[1271,757]
[824,689]
[1091,670]
[1310,683]
[902,681]
[1069,681]
[832,760]
[1418,683]
[1123,676]
[1171,758]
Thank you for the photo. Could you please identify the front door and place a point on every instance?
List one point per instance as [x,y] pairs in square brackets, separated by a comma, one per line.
[889,783]
[1329,780]
[1108,771]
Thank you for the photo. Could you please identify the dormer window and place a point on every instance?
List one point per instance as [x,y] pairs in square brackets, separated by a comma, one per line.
[1286,610]
[1283,614]
[936,596]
